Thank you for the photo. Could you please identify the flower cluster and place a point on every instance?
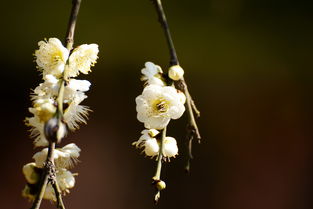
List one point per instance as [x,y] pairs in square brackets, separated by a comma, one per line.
[156,106]
[57,64]
[57,98]
[64,158]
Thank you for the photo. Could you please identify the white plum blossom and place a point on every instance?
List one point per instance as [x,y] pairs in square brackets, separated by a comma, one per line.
[66,181]
[64,158]
[157,105]
[170,148]
[152,74]
[82,58]
[148,142]
[51,56]
[151,145]
[58,89]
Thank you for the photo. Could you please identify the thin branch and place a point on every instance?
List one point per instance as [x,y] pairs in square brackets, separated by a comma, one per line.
[192,128]
[45,177]
[157,177]
[49,174]
[164,24]
[58,194]
[69,40]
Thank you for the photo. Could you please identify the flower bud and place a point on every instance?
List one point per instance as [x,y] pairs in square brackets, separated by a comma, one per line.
[54,130]
[176,72]
[160,185]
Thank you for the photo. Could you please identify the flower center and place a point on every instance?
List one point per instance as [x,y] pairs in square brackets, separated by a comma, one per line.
[161,105]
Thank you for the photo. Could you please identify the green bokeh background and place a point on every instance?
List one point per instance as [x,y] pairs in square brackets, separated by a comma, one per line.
[248,64]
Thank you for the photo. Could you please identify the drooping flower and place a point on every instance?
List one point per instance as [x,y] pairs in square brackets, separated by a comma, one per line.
[148,142]
[64,158]
[58,67]
[65,179]
[51,56]
[82,59]
[157,105]
[170,148]
[30,173]
[152,74]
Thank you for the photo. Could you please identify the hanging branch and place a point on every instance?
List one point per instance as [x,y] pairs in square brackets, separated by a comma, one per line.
[52,126]
[192,128]
[157,182]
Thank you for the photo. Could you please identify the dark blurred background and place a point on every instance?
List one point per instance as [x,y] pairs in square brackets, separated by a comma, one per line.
[248,65]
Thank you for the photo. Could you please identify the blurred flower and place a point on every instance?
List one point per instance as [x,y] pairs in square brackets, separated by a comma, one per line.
[29,171]
[64,158]
[152,74]
[157,105]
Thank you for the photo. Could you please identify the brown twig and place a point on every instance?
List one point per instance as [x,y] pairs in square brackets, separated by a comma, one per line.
[49,174]
[48,169]
[192,128]
[58,194]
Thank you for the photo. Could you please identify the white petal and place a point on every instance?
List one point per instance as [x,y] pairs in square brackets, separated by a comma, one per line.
[157,122]
[170,148]
[151,147]
[79,85]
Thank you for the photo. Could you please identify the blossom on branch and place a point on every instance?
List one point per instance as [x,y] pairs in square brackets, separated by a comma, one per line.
[157,105]
[65,158]
[55,62]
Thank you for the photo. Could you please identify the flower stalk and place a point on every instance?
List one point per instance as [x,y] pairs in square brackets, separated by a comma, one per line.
[193,112]
[157,177]
[49,174]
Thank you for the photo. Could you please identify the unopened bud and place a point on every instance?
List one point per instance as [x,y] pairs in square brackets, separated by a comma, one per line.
[160,185]
[54,130]
[176,72]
